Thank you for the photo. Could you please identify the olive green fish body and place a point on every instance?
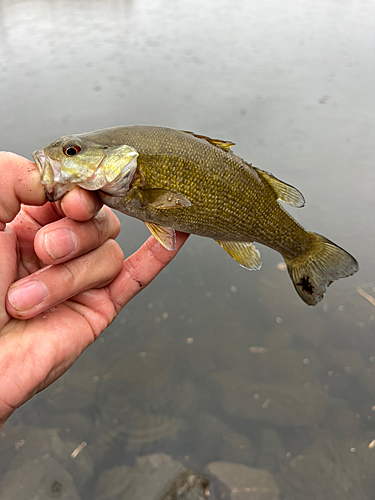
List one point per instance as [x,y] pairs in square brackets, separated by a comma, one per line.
[175,180]
[229,200]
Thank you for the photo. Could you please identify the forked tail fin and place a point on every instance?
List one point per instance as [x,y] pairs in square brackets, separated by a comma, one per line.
[312,272]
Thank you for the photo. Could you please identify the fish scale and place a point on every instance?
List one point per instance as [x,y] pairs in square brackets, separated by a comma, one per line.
[239,214]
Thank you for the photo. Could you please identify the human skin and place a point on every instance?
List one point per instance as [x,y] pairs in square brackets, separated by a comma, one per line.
[63,279]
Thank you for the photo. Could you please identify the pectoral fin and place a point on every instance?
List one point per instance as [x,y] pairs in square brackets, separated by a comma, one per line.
[244,253]
[166,236]
[286,193]
[162,199]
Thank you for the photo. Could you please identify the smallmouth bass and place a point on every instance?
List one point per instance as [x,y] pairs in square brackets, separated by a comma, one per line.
[180,181]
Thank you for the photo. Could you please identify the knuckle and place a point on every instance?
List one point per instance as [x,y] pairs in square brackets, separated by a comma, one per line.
[101,223]
[107,223]
[93,268]
[72,272]
[158,252]
[115,251]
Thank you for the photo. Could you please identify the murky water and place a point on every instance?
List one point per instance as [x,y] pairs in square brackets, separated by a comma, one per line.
[212,368]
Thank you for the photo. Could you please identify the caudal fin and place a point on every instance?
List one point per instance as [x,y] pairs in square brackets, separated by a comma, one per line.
[312,272]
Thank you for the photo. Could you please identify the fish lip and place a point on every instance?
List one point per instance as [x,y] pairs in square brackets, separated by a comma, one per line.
[46,165]
[40,159]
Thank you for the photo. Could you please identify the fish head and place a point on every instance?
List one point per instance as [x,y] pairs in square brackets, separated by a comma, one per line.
[75,160]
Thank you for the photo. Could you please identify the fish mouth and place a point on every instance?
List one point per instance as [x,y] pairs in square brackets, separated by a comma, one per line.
[49,170]
[40,159]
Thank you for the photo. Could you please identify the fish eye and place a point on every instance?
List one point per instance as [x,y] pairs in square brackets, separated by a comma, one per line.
[72,150]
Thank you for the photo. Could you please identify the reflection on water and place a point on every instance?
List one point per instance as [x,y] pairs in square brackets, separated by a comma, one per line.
[212,372]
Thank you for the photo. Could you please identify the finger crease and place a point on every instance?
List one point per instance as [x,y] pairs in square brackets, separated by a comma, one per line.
[70,271]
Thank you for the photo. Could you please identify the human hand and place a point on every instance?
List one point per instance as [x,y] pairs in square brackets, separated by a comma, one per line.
[64,291]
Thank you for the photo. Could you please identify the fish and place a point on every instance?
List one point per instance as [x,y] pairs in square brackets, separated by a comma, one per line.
[176,180]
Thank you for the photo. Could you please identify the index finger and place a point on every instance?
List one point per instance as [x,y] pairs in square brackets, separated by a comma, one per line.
[19,183]
[141,268]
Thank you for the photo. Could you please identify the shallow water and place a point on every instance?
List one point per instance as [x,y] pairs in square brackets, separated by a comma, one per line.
[210,363]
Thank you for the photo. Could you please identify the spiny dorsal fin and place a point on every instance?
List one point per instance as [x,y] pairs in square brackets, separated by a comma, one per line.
[226,145]
[244,253]
[166,236]
[285,192]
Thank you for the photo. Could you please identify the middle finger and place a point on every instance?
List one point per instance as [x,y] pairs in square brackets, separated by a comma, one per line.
[52,285]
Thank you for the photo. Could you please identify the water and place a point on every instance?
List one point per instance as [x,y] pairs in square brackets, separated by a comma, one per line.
[210,363]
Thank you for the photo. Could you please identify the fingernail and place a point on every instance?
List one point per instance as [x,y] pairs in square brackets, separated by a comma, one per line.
[24,297]
[60,242]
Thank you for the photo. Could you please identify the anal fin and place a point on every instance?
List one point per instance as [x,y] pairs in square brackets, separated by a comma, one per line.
[244,253]
[166,236]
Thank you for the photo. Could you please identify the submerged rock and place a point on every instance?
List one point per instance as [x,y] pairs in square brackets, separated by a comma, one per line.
[287,404]
[215,439]
[42,480]
[150,428]
[334,469]
[113,482]
[239,482]
[53,449]
[188,486]
[153,477]
[272,451]
[150,475]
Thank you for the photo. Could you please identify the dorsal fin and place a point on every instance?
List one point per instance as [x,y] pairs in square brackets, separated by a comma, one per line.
[226,145]
[285,192]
